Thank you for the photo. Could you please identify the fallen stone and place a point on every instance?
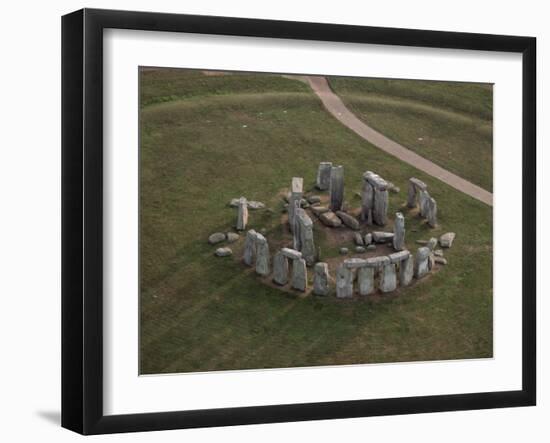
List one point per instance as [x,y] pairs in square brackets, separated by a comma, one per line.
[368,239]
[314,199]
[354,263]
[365,279]
[360,249]
[232,237]
[446,240]
[320,279]
[382,237]
[432,243]
[291,253]
[349,220]
[280,269]
[422,242]
[344,282]
[330,219]
[388,278]
[440,260]
[304,203]
[217,237]
[255,205]
[318,210]
[344,251]
[359,239]
[223,252]
[371,247]
[299,275]
[438,253]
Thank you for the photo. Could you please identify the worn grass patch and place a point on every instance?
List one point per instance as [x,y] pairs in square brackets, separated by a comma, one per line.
[199,312]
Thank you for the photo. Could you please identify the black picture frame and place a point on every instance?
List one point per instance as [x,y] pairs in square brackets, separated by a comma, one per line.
[82,218]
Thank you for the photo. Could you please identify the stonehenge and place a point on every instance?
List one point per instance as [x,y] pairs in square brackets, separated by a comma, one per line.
[281,261]
[374,199]
[418,195]
[336,188]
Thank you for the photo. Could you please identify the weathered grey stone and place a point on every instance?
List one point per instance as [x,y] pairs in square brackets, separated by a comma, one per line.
[360,249]
[375,180]
[422,242]
[242,216]
[223,252]
[330,219]
[440,260]
[217,237]
[415,186]
[292,254]
[280,269]
[368,239]
[438,253]
[349,220]
[418,183]
[252,204]
[318,210]
[336,188]
[393,188]
[303,231]
[399,232]
[262,256]
[423,198]
[432,212]
[344,251]
[446,240]
[431,262]
[354,263]
[314,199]
[380,212]
[323,176]
[294,202]
[250,247]
[371,247]
[365,280]
[421,265]
[232,237]
[406,271]
[304,203]
[344,282]
[367,200]
[397,257]
[382,237]
[321,279]
[376,262]
[432,243]
[388,278]
[358,238]
[299,275]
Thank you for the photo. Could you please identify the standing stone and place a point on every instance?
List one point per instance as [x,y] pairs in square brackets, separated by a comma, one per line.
[365,279]
[406,271]
[344,282]
[380,213]
[388,278]
[432,243]
[432,212]
[399,232]
[242,217]
[280,269]
[295,199]
[367,201]
[421,265]
[262,256]
[415,186]
[299,275]
[423,198]
[321,279]
[303,236]
[336,188]
[250,247]
[323,176]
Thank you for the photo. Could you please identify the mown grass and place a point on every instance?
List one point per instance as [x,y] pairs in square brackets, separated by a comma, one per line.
[199,312]
[448,122]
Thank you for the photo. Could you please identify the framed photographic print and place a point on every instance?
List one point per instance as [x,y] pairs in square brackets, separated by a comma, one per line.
[269,221]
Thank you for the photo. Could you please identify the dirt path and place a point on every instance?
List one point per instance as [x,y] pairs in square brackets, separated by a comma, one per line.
[336,107]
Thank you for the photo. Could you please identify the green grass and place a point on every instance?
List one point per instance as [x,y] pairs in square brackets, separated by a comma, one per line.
[199,312]
[448,123]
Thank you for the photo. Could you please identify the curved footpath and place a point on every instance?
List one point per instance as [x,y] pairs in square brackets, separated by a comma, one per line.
[336,107]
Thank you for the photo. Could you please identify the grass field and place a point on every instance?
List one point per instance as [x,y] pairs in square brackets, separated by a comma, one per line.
[448,123]
[206,139]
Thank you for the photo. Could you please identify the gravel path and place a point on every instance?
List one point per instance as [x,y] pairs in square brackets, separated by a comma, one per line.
[336,107]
